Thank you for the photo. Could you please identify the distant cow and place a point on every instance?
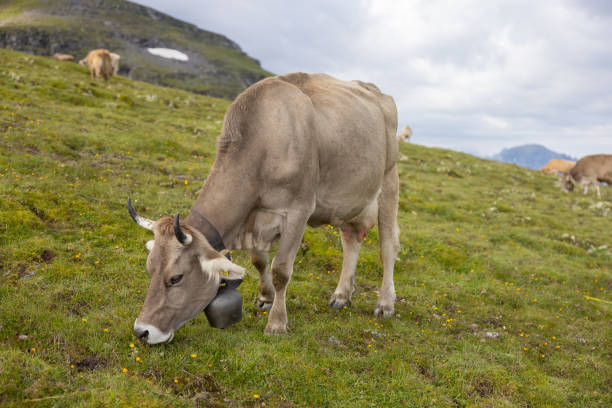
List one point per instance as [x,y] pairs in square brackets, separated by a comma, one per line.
[115,61]
[63,57]
[558,165]
[589,170]
[405,134]
[100,63]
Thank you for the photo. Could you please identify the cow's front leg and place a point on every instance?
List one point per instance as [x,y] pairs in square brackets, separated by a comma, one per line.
[265,296]
[282,268]
[351,244]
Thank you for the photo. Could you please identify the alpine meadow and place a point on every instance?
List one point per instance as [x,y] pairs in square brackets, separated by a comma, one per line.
[503,281]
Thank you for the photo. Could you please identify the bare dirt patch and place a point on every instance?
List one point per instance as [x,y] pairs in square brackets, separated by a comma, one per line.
[47,256]
[90,363]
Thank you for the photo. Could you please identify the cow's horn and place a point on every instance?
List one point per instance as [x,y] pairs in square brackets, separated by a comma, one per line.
[183,238]
[143,222]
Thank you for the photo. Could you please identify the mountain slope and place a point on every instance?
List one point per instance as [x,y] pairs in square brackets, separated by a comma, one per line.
[529,156]
[491,280]
[216,66]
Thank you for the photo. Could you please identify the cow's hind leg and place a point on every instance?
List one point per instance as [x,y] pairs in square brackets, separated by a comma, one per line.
[266,290]
[351,244]
[282,268]
[388,232]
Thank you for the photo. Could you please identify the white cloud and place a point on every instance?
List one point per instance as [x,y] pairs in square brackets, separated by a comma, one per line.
[467,74]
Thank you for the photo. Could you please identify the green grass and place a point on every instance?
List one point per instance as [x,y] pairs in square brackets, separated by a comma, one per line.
[486,248]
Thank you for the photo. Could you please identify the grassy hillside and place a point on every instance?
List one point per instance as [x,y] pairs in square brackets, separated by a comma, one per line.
[495,279]
[217,66]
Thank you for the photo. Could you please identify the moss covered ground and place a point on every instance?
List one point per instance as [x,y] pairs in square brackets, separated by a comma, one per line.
[503,281]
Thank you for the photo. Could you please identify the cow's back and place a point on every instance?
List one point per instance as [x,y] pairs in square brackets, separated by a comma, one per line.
[354,130]
[319,137]
[350,114]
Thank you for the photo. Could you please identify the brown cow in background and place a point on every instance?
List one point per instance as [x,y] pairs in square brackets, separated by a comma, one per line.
[589,170]
[558,165]
[63,57]
[100,63]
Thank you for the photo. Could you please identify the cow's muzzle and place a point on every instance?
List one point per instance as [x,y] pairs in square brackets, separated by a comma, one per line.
[151,334]
[226,307]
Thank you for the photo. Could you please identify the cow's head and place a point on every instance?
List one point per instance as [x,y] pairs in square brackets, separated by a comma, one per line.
[567,182]
[186,275]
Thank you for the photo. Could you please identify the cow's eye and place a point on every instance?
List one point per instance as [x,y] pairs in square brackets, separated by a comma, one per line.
[175,279]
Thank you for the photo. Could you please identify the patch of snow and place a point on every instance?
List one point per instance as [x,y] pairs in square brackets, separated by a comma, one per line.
[169,53]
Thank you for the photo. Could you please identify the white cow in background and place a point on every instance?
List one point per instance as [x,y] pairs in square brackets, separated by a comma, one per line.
[115,61]
[405,134]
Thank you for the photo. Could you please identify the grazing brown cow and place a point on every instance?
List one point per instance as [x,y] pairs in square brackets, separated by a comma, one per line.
[295,150]
[63,57]
[100,63]
[555,166]
[589,170]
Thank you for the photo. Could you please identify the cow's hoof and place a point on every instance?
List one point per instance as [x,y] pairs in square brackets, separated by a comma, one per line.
[275,328]
[264,305]
[385,311]
[339,302]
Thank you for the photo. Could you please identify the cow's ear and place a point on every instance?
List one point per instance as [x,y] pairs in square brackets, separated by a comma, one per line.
[149,245]
[223,267]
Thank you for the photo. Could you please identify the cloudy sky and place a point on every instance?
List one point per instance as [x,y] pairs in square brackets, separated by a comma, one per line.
[469,75]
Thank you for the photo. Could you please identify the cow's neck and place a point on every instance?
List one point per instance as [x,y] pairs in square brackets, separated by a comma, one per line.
[223,204]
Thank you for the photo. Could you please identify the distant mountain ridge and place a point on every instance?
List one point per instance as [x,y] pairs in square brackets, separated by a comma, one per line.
[531,156]
[216,65]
